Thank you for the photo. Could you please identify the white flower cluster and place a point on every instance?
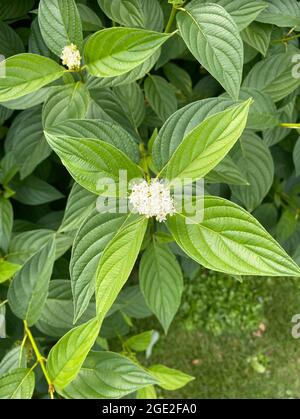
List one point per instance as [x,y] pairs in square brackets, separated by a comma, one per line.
[71,57]
[152,199]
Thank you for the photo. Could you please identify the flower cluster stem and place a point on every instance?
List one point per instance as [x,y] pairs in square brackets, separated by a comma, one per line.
[171,19]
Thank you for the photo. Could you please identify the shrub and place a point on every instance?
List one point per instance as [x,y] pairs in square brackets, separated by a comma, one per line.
[110,110]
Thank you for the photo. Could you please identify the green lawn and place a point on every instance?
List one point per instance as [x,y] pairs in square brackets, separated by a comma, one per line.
[225,366]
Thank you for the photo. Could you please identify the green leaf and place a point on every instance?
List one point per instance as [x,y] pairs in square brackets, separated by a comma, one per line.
[6,223]
[7,270]
[90,20]
[115,51]
[26,73]
[296,157]
[65,102]
[109,132]
[263,112]
[91,161]
[169,378]
[161,96]
[286,226]
[134,13]
[207,144]
[256,163]
[180,78]
[274,76]
[10,42]
[107,375]
[26,141]
[180,124]
[25,244]
[28,292]
[13,9]
[36,44]
[17,384]
[68,354]
[57,316]
[132,99]
[34,191]
[137,73]
[213,38]
[258,36]
[117,261]
[140,342]
[161,282]
[60,24]
[226,172]
[79,205]
[15,358]
[243,12]
[230,240]
[281,13]
[91,240]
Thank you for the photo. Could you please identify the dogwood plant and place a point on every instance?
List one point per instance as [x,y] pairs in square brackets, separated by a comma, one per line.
[91,88]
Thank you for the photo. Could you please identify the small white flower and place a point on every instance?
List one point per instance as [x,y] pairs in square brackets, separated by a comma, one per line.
[152,199]
[71,57]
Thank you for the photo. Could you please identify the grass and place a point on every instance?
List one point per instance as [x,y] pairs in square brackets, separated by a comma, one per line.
[227,366]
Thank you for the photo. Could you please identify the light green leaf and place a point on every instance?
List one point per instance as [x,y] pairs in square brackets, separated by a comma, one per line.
[79,205]
[68,354]
[274,76]
[26,73]
[115,51]
[181,123]
[140,342]
[161,96]
[137,73]
[6,223]
[213,38]
[7,270]
[169,378]
[107,131]
[107,375]
[28,291]
[256,163]
[60,24]
[230,240]
[207,144]
[258,36]
[92,161]
[161,282]
[147,393]
[91,240]
[117,261]
[281,13]
[17,384]
[134,13]
[65,102]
